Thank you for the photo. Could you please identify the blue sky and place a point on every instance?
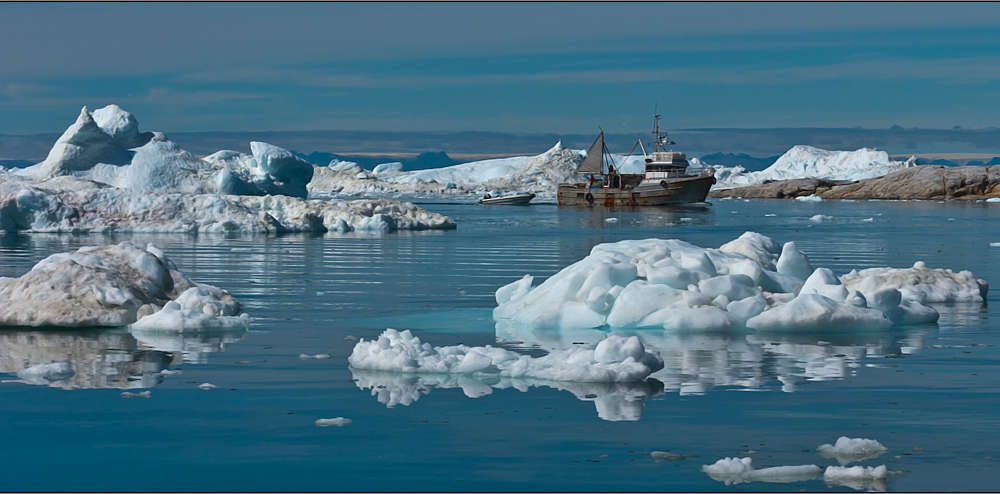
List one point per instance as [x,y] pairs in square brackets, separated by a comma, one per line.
[524,67]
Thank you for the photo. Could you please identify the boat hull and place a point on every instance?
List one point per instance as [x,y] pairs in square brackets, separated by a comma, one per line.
[514,200]
[684,190]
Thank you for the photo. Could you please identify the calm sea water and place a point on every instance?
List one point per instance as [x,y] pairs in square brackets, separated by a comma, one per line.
[928,393]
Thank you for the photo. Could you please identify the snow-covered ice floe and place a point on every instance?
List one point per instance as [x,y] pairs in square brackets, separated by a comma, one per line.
[848,450]
[739,470]
[104,175]
[751,282]
[115,285]
[810,162]
[71,205]
[615,359]
[466,182]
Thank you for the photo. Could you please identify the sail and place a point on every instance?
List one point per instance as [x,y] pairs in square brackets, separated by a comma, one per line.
[595,157]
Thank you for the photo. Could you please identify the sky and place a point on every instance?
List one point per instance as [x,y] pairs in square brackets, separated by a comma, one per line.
[498,67]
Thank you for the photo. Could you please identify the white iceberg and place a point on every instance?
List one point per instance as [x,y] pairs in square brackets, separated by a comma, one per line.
[809,162]
[739,470]
[114,285]
[847,450]
[70,205]
[615,359]
[751,282]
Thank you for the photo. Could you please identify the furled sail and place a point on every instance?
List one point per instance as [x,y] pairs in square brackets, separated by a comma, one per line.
[595,157]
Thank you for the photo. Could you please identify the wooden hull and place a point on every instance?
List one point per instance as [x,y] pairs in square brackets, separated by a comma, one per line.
[514,200]
[677,191]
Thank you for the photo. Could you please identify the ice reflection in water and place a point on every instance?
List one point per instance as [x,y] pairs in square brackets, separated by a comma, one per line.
[614,401]
[104,359]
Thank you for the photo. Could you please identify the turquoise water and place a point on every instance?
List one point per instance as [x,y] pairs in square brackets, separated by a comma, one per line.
[928,393]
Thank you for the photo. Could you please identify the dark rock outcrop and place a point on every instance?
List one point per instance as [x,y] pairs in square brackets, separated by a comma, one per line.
[928,182]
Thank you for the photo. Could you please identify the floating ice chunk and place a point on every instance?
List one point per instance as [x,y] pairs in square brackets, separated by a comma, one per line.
[793,263]
[812,312]
[338,421]
[739,470]
[46,373]
[920,283]
[848,450]
[318,356]
[666,455]
[141,394]
[809,198]
[207,386]
[994,244]
[993,199]
[611,220]
[402,352]
[173,317]
[168,372]
[819,218]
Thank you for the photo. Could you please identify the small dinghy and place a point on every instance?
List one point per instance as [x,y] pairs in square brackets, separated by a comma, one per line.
[511,200]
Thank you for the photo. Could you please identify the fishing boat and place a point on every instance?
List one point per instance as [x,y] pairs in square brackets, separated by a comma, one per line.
[666,179]
[511,200]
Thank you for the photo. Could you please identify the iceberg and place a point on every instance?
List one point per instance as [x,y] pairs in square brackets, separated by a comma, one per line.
[615,359]
[751,282]
[466,182]
[114,285]
[857,477]
[809,162]
[71,205]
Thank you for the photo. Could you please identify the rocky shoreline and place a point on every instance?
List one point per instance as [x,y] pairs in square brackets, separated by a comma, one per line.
[922,182]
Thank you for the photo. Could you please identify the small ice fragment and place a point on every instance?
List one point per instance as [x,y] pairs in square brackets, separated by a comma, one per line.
[320,294]
[819,218]
[666,455]
[141,394]
[868,219]
[770,215]
[611,220]
[809,198]
[206,386]
[993,199]
[685,220]
[822,343]
[242,362]
[350,338]
[994,244]
[848,450]
[339,422]
[168,372]
[318,356]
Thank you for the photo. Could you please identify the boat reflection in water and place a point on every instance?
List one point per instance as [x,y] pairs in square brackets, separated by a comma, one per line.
[113,359]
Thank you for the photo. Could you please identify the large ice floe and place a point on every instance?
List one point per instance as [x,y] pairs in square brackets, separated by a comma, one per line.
[751,282]
[398,368]
[104,175]
[466,182]
[115,285]
[615,359]
[739,470]
[809,162]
